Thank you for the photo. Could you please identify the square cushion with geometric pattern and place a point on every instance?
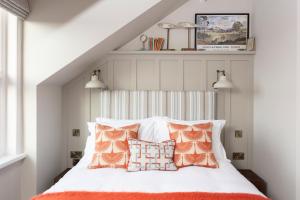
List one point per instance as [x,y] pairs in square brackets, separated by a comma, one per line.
[111,146]
[193,145]
[146,156]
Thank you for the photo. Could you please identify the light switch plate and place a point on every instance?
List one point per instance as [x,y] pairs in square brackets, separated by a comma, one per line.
[238,133]
[76,132]
[238,156]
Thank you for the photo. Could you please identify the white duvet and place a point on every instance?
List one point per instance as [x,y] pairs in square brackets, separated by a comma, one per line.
[225,179]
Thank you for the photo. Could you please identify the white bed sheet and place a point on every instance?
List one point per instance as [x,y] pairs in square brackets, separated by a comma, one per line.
[225,179]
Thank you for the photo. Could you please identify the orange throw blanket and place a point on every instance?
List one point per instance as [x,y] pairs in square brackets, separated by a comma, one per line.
[146,196]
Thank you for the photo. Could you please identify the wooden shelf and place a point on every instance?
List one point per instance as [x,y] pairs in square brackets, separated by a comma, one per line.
[182,53]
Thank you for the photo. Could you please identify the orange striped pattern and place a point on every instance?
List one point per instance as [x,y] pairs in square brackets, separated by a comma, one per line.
[147,196]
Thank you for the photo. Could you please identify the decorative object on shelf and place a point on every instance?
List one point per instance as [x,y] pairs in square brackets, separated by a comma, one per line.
[189,26]
[167,26]
[251,44]
[156,44]
[222,81]
[143,39]
[222,31]
[95,82]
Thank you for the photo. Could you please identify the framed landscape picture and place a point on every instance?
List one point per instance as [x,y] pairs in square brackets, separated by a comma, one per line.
[222,31]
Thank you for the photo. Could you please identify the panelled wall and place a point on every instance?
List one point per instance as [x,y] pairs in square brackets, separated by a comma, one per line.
[178,71]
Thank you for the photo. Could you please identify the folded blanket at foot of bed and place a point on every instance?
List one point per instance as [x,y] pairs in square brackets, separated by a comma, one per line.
[146,196]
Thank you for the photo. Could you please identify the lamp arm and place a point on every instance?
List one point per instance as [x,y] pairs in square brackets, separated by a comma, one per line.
[218,72]
[214,83]
[98,73]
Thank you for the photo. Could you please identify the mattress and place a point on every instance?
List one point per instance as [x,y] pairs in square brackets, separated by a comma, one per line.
[225,179]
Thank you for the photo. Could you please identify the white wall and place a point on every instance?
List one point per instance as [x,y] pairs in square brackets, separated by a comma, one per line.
[10,179]
[54,29]
[68,35]
[298,108]
[50,139]
[63,37]
[178,37]
[275,96]
[75,115]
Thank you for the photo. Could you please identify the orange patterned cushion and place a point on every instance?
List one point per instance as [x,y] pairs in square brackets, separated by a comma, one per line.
[193,145]
[111,148]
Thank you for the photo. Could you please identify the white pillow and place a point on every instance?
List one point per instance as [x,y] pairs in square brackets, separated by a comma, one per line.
[146,130]
[88,151]
[218,148]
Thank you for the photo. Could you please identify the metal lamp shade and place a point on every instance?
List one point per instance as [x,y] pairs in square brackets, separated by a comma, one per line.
[223,83]
[95,83]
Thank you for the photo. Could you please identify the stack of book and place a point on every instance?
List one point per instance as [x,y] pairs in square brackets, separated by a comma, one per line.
[156,44]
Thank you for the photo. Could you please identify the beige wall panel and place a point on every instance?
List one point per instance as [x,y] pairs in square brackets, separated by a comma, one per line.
[194,75]
[123,74]
[105,73]
[173,72]
[171,75]
[110,74]
[147,75]
[241,108]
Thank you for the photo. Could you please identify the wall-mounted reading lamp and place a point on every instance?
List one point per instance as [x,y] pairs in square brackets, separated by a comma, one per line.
[94,83]
[222,81]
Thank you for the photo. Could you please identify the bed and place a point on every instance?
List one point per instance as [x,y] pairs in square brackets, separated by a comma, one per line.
[188,183]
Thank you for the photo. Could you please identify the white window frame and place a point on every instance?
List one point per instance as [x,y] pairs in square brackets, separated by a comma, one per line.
[11,84]
[3,61]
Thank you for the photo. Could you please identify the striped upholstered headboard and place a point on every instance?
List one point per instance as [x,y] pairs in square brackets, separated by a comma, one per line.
[183,105]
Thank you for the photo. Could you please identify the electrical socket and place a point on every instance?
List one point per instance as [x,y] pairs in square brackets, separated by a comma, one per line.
[238,133]
[76,154]
[238,156]
[76,132]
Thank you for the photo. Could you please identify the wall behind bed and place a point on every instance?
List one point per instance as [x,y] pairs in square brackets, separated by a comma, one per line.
[170,72]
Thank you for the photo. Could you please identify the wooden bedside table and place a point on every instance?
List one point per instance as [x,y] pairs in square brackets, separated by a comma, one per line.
[258,182]
[57,178]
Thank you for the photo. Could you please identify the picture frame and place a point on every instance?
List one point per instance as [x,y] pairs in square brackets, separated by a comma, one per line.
[222,31]
[251,44]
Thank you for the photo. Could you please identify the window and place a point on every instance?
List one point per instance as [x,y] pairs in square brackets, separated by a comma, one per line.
[10,82]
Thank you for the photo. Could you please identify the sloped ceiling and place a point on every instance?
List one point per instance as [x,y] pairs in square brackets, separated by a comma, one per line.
[64,48]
